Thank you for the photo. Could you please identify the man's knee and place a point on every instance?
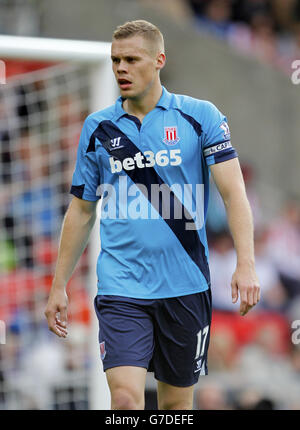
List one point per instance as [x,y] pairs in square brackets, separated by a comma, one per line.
[175,398]
[124,399]
[178,404]
[127,386]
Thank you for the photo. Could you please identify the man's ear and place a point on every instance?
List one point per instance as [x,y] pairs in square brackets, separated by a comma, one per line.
[160,61]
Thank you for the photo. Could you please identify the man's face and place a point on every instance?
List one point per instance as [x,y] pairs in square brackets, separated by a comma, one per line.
[135,65]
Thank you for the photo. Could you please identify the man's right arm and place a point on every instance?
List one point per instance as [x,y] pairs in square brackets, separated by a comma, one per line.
[78,223]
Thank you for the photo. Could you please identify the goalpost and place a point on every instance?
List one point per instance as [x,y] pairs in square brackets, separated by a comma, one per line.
[94,60]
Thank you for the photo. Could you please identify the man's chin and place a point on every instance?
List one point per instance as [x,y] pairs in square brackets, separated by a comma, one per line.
[128,93]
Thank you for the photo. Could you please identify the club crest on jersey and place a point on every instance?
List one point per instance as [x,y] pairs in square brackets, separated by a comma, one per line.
[171,137]
[102,350]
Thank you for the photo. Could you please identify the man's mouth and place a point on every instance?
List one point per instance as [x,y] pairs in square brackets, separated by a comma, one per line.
[124,84]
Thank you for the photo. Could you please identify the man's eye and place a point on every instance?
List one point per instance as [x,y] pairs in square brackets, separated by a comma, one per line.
[115,60]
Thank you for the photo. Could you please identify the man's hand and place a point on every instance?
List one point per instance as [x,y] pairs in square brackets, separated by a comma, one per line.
[245,282]
[56,312]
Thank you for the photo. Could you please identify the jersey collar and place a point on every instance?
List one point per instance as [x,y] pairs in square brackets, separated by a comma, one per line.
[164,102]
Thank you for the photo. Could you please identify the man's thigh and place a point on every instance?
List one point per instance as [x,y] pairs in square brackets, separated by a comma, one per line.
[181,334]
[170,397]
[125,332]
[127,387]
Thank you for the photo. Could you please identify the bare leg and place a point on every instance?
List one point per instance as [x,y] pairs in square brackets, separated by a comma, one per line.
[171,397]
[127,387]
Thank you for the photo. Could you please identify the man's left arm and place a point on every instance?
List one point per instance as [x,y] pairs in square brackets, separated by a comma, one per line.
[230,183]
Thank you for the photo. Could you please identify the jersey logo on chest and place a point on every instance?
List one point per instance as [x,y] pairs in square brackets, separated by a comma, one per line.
[115,143]
[171,135]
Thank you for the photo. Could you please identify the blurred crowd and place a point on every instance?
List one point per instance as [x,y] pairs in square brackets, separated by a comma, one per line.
[40,124]
[254,361]
[268,30]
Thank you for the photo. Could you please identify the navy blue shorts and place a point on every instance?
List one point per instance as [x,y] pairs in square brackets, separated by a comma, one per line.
[167,336]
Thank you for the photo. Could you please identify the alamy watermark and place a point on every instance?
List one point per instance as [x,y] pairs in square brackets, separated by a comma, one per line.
[296,333]
[295,78]
[2,333]
[136,201]
[2,72]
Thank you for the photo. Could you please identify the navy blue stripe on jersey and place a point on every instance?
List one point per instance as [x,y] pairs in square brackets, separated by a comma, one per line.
[196,126]
[225,155]
[189,239]
[77,190]
[91,147]
[135,120]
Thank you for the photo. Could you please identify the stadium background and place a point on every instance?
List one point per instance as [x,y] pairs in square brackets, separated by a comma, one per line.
[237,54]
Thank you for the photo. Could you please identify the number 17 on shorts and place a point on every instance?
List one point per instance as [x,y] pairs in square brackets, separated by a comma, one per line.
[202,337]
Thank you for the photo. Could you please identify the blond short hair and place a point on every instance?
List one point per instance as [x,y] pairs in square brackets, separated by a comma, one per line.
[142,28]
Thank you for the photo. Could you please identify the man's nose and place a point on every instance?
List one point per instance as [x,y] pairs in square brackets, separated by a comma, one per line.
[122,67]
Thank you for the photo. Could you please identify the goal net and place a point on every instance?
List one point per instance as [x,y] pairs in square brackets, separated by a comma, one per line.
[42,109]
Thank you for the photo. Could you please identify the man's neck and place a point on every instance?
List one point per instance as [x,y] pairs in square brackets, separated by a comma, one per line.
[140,106]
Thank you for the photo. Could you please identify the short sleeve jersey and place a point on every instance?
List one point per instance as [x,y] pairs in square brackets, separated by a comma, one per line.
[153,178]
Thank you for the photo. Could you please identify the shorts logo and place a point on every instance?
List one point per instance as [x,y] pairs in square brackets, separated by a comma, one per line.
[171,137]
[200,367]
[102,350]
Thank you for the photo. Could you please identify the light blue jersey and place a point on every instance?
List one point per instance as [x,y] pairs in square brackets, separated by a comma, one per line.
[154,181]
